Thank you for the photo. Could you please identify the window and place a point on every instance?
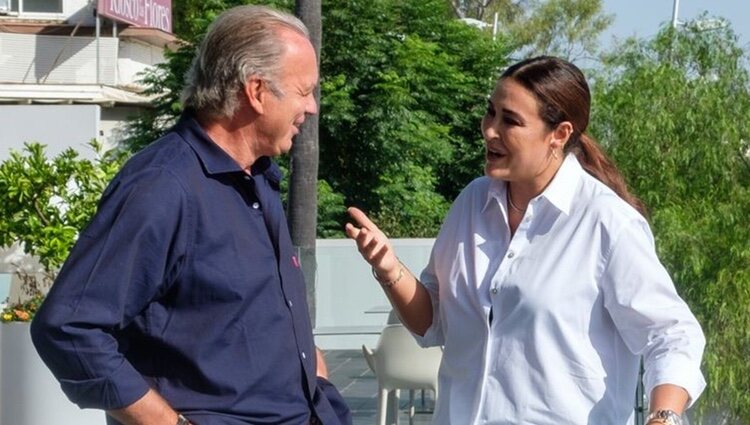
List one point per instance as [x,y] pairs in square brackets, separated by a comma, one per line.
[36,6]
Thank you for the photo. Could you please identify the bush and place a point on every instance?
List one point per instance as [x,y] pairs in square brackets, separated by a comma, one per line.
[46,202]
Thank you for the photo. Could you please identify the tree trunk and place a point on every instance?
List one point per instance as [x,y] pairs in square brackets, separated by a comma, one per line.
[303,184]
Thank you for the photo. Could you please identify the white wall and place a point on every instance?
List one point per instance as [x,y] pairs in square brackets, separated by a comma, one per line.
[52,59]
[57,126]
[72,7]
[134,58]
[350,306]
[72,10]
[112,124]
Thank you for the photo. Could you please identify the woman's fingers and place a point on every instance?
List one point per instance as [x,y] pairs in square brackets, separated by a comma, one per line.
[361,219]
[371,242]
[351,231]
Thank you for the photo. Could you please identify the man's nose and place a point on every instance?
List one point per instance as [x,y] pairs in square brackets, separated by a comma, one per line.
[311,108]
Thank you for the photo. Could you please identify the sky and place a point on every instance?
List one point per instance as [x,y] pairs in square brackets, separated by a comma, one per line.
[644,18]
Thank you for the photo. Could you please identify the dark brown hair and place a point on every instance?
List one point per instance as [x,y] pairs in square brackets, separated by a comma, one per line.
[563,95]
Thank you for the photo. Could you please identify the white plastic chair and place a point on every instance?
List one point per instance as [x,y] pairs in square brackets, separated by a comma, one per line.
[400,363]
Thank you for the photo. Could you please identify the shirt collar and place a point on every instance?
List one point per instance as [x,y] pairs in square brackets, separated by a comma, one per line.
[560,191]
[496,193]
[213,158]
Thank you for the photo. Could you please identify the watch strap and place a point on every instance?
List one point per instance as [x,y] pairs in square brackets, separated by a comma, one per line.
[181,420]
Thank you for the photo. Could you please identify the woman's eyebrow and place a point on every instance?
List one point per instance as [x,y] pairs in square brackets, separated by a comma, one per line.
[513,114]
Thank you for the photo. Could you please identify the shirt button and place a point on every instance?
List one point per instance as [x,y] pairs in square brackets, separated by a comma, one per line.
[246,177]
[290,303]
[304,356]
[511,254]
[256,205]
[494,291]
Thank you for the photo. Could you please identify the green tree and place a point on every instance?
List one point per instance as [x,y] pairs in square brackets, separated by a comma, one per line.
[565,28]
[672,112]
[403,91]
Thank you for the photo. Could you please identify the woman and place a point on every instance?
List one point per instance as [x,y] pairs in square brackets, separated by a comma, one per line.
[543,285]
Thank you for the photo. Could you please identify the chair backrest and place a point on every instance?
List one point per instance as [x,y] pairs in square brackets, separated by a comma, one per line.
[400,363]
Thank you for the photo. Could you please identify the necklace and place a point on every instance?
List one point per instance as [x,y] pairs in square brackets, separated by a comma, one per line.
[512,205]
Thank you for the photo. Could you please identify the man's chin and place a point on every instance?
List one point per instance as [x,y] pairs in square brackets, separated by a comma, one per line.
[286,147]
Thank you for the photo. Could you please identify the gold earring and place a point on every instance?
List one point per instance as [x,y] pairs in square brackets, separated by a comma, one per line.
[554,153]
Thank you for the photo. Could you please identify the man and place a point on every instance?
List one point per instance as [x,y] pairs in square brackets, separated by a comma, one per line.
[182,301]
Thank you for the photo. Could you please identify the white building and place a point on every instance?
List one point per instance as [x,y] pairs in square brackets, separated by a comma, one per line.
[64,79]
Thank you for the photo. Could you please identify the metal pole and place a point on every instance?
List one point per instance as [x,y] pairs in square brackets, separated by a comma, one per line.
[117,54]
[494,28]
[98,30]
[675,9]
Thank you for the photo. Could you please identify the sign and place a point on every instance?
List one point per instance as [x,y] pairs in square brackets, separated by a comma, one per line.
[142,13]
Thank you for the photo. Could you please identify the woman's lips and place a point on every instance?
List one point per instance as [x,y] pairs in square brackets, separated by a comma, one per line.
[491,154]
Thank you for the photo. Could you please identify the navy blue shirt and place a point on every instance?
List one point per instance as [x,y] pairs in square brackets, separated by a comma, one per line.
[186,281]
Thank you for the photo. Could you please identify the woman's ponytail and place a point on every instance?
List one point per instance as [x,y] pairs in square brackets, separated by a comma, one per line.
[595,162]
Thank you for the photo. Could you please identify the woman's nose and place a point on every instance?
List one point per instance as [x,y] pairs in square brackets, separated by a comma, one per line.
[490,129]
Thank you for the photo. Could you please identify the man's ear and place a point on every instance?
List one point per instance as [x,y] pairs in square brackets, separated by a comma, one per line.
[561,135]
[255,93]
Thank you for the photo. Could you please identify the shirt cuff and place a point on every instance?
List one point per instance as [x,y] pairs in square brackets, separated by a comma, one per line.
[676,370]
[433,336]
[120,389]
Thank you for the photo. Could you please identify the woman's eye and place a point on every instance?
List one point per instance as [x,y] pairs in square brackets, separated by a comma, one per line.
[510,121]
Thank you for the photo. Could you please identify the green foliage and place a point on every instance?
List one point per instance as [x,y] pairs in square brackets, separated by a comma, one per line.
[403,93]
[331,212]
[47,201]
[566,28]
[408,205]
[673,114]
[331,205]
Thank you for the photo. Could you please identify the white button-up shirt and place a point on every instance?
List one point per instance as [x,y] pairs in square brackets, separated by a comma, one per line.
[548,327]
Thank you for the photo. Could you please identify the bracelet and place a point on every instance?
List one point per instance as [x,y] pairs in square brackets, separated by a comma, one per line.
[389,284]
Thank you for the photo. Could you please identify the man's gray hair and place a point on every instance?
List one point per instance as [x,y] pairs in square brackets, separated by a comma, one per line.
[243,41]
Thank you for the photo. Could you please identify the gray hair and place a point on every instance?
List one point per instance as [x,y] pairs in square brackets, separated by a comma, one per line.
[242,42]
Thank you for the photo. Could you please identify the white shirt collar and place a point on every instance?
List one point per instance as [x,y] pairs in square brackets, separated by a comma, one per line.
[562,189]
[560,192]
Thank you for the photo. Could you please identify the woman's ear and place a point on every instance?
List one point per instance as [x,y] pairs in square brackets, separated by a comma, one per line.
[561,135]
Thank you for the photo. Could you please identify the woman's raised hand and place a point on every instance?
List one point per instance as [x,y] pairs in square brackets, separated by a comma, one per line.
[373,245]
[407,296]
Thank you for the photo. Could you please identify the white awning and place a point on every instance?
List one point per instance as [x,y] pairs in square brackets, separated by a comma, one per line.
[61,94]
